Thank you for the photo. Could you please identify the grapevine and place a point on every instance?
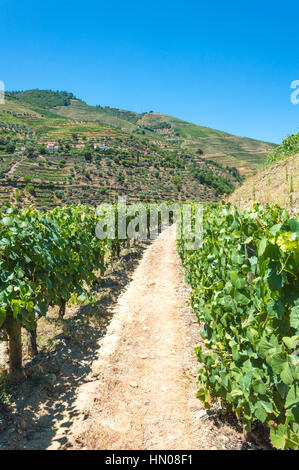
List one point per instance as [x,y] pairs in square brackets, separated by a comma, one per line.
[245,292]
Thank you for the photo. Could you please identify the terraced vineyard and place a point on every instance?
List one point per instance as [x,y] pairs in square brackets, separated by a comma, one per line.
[141,166]
[43,108]
[244,153]
[71,179]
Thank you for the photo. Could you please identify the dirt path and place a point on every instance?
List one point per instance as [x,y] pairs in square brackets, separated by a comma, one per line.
[14,166]
[146,393]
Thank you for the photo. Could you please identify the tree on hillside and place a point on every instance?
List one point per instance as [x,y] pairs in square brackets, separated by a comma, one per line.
[88,152]
[31,151]
[42,149]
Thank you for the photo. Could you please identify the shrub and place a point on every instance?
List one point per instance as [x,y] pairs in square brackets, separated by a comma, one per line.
[27,179]
[29,188]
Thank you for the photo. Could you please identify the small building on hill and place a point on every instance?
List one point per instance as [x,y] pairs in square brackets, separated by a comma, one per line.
[52,146]
[100,147]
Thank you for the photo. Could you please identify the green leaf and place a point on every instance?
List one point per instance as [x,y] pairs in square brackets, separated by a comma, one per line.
[262,246]
[294,225]
[260,413]
[237,281]
[204,396]
[278,436]
[241,298]
[275,308]
[273,277]
[277,362]
[275,228]
[82,297]
[267,348]
[259,388]
[286,375]
[6,221]
[267,405]
[41,308]
[294,317]
[291,342]
[292,403]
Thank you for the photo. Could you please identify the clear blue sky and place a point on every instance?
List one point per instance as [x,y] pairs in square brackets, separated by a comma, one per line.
[226,65]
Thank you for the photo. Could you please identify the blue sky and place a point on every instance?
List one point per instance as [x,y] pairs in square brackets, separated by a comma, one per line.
[227,65]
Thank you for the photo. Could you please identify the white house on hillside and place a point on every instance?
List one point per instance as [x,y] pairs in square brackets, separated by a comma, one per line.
[101,147]
[52,146]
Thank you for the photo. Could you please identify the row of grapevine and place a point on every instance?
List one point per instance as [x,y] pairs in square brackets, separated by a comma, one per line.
[45,259]
[245,292]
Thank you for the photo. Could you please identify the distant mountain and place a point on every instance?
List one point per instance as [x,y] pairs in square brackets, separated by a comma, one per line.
[241,152]
[55,149]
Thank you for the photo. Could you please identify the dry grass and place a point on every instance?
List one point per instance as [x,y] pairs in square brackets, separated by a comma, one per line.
[278,184]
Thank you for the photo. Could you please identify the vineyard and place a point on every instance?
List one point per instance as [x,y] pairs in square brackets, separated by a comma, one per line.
[149,230]
[76,171]
[245,293]
[45,260]
[57,115]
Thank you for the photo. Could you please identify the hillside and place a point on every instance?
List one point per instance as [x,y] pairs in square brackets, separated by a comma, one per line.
[243,153]
[240,152]
[278,184]
[49,159]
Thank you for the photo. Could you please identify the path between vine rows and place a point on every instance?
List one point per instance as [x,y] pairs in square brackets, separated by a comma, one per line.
[141,390]
[145,398]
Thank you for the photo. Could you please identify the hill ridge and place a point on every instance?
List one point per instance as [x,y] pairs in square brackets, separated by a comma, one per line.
[244,153]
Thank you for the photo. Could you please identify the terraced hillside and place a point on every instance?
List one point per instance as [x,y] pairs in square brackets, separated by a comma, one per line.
[278,184]
[240,152]
[244,153]
[50,179]
[48,159]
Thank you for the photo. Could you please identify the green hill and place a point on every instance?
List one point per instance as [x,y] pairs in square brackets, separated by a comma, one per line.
[244,153]
[149,157]
[43,98]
